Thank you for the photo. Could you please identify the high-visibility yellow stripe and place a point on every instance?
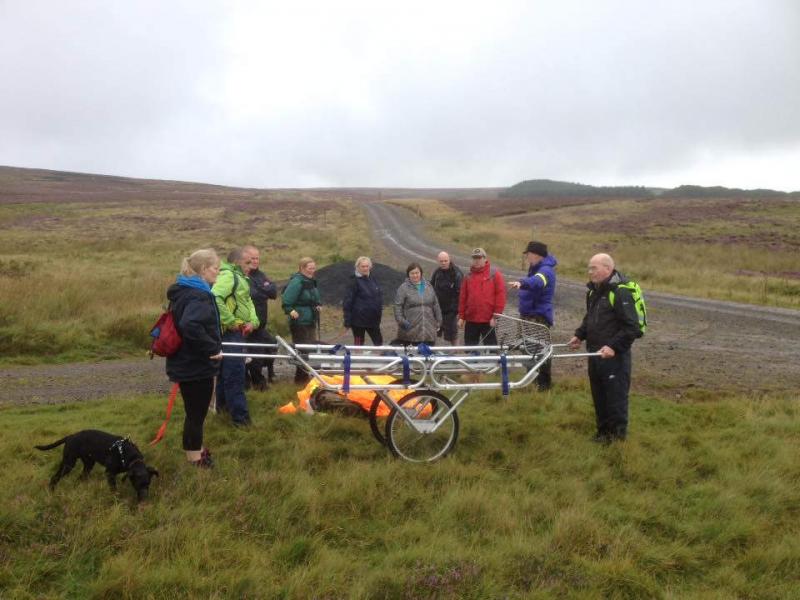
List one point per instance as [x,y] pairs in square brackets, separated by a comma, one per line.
[543,277]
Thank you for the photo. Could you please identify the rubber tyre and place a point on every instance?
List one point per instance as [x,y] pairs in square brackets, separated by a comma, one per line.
[375,427]
[407,443]
[373,420]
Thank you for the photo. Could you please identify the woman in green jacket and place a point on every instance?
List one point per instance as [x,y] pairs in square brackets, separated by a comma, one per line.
[300,301]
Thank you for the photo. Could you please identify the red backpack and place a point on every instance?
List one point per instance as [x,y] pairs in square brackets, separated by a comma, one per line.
[166,338]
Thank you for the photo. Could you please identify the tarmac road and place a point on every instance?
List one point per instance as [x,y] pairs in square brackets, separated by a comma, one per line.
[690,342]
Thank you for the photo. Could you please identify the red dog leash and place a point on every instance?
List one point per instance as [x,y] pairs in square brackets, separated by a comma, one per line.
[170,403]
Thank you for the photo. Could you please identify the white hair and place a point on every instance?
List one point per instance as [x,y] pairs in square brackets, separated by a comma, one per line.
[362,259]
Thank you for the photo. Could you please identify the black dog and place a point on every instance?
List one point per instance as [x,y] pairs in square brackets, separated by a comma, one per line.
[115,453]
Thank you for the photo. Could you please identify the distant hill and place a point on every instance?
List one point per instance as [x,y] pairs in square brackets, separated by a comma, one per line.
[549,188]
[717,191]
[540,188]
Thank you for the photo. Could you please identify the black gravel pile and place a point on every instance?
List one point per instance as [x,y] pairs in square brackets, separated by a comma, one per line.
[334,280]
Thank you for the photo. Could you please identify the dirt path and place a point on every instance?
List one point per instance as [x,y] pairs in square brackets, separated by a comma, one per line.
[691,344]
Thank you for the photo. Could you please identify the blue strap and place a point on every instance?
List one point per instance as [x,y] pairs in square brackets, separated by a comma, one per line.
[406,371]
[425,350]
[346,382]
[504,373]
[347,359]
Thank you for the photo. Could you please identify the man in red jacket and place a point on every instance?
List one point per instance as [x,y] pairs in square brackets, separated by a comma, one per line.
[483,293]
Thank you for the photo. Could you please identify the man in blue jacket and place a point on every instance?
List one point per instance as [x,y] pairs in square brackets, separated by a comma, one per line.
[536,297]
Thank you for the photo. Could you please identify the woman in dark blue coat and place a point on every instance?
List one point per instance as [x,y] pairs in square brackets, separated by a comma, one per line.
[194,366]
[363,304]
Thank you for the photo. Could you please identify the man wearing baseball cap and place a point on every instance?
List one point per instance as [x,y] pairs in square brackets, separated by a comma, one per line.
[483,294]
[536,296]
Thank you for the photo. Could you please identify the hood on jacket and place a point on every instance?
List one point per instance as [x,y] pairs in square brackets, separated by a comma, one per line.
[547,261]
[226,266]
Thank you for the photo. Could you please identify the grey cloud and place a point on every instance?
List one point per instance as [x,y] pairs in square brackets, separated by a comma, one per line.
[580,91]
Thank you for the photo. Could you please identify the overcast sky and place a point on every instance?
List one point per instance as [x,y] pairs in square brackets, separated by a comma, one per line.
[415,93]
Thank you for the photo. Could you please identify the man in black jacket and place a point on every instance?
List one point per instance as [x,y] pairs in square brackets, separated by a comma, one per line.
[609,327]
[446,281]
[261,290]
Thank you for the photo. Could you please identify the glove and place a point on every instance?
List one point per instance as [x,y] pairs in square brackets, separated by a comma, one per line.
[405,324]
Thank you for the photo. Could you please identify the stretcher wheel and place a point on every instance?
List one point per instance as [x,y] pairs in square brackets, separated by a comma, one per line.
[376,427]
[426,409]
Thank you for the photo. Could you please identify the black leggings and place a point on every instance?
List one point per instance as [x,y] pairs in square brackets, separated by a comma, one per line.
[359,335]
[196,399]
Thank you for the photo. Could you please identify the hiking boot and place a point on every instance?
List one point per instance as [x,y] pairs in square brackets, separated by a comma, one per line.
[204,463]
[602,438]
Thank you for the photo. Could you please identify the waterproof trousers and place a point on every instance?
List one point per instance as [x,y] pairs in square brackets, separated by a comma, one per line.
[450,328]
[477,334]
[230,383]
[545,379]
[360,333]
[610,379]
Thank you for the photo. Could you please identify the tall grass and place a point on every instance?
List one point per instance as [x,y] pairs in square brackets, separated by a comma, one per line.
[86,280]
[701,502]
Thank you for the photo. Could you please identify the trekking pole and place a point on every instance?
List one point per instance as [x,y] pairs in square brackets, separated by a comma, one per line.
[485,335]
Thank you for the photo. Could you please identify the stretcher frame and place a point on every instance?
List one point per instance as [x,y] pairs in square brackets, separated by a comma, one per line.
[423,424]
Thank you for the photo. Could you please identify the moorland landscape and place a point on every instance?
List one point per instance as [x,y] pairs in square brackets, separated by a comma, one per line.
[700,502]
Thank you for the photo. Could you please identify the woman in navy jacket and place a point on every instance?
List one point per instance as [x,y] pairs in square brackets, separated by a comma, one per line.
[363,304]
[196,363]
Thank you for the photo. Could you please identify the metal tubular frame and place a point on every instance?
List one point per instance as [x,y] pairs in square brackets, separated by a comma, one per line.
[432,372]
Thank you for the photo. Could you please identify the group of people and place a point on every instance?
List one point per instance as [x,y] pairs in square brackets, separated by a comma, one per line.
[425,310]
[215,301]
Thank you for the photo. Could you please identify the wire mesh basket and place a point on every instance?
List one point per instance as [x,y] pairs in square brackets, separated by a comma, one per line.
[529,337]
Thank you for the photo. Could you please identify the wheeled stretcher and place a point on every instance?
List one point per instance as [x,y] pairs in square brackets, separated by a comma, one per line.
[422,423]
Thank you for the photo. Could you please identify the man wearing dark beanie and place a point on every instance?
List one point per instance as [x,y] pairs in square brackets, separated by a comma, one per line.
[536,297]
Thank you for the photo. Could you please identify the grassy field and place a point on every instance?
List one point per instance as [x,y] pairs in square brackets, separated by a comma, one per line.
[701,502]
[741,250]
[84,280]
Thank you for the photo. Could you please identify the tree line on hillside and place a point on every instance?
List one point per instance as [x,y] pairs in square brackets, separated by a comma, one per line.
[533,188]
